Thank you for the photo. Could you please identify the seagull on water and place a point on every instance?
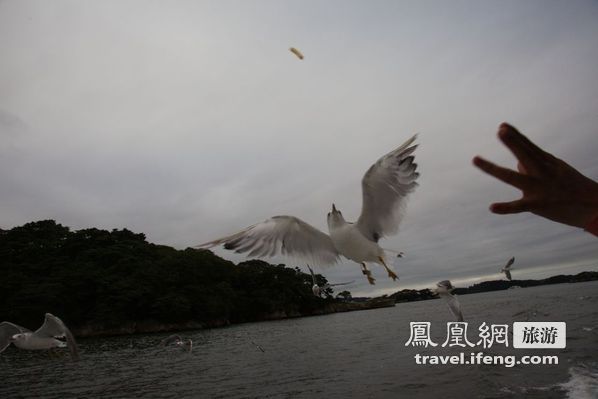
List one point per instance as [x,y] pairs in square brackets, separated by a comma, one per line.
[317,290]
[507,268]
[178,341]
[43,338]
[385,188]
[444,288]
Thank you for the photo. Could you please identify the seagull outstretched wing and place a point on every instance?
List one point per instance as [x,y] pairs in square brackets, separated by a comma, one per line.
[509,263]
[54,327]
[508,274]
[454,306]
[444,288]
[313,276]
[385,187]
[285,235]
[7,330]
[345,283]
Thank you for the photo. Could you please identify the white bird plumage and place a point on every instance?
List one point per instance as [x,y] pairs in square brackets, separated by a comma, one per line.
[178,341]
[43,338]
[444,289]
[385,187]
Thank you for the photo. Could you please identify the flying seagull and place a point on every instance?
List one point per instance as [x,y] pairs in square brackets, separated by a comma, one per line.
[178,341]
[316,289]
[258,346]
[444,288]
[385,188]
[43,338]
[507,268]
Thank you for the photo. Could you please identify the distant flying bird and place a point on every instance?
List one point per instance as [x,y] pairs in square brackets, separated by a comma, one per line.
[258,346]
[444,288]
[316,289]
[507,268]
[43,338]
[178,341]
[385,186]
[296,52]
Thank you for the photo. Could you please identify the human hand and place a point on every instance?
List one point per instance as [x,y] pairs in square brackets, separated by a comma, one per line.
[551,187]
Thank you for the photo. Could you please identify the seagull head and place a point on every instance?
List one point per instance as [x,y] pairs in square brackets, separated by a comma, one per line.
[18,338]
[335,218]
[444,287]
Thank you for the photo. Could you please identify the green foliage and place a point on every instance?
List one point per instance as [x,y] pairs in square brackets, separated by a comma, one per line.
[105,278]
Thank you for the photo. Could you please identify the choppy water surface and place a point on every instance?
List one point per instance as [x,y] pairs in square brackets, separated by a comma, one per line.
[356,354]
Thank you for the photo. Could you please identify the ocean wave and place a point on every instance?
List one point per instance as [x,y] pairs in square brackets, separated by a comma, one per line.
[583,382]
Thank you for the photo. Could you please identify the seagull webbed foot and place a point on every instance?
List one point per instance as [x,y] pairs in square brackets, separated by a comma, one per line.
[391,274]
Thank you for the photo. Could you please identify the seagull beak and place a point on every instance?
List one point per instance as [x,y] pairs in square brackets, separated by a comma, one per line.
[333,208]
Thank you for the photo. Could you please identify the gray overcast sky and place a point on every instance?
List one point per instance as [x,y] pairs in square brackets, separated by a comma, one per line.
[189,120]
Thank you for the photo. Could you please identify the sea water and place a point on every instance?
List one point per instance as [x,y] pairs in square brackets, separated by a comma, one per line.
[345,355]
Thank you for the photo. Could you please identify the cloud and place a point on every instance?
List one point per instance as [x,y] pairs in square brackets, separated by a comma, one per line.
[191,120]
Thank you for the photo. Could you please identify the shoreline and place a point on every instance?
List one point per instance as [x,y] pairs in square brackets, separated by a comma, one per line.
[149,326]
[409,295]
[359,304]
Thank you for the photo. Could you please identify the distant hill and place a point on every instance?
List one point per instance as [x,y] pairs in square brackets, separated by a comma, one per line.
[494,285]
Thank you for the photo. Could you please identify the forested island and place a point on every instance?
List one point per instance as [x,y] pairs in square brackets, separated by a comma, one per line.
[115,282]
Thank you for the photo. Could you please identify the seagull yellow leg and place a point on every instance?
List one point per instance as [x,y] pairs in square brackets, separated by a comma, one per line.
[368,273]
[391,274]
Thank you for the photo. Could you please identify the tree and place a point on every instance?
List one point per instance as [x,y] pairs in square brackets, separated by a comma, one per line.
[101,278]
[345,295]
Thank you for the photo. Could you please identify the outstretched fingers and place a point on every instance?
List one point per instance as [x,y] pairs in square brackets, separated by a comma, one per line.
[504,174]
[504,208]
[528,154]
